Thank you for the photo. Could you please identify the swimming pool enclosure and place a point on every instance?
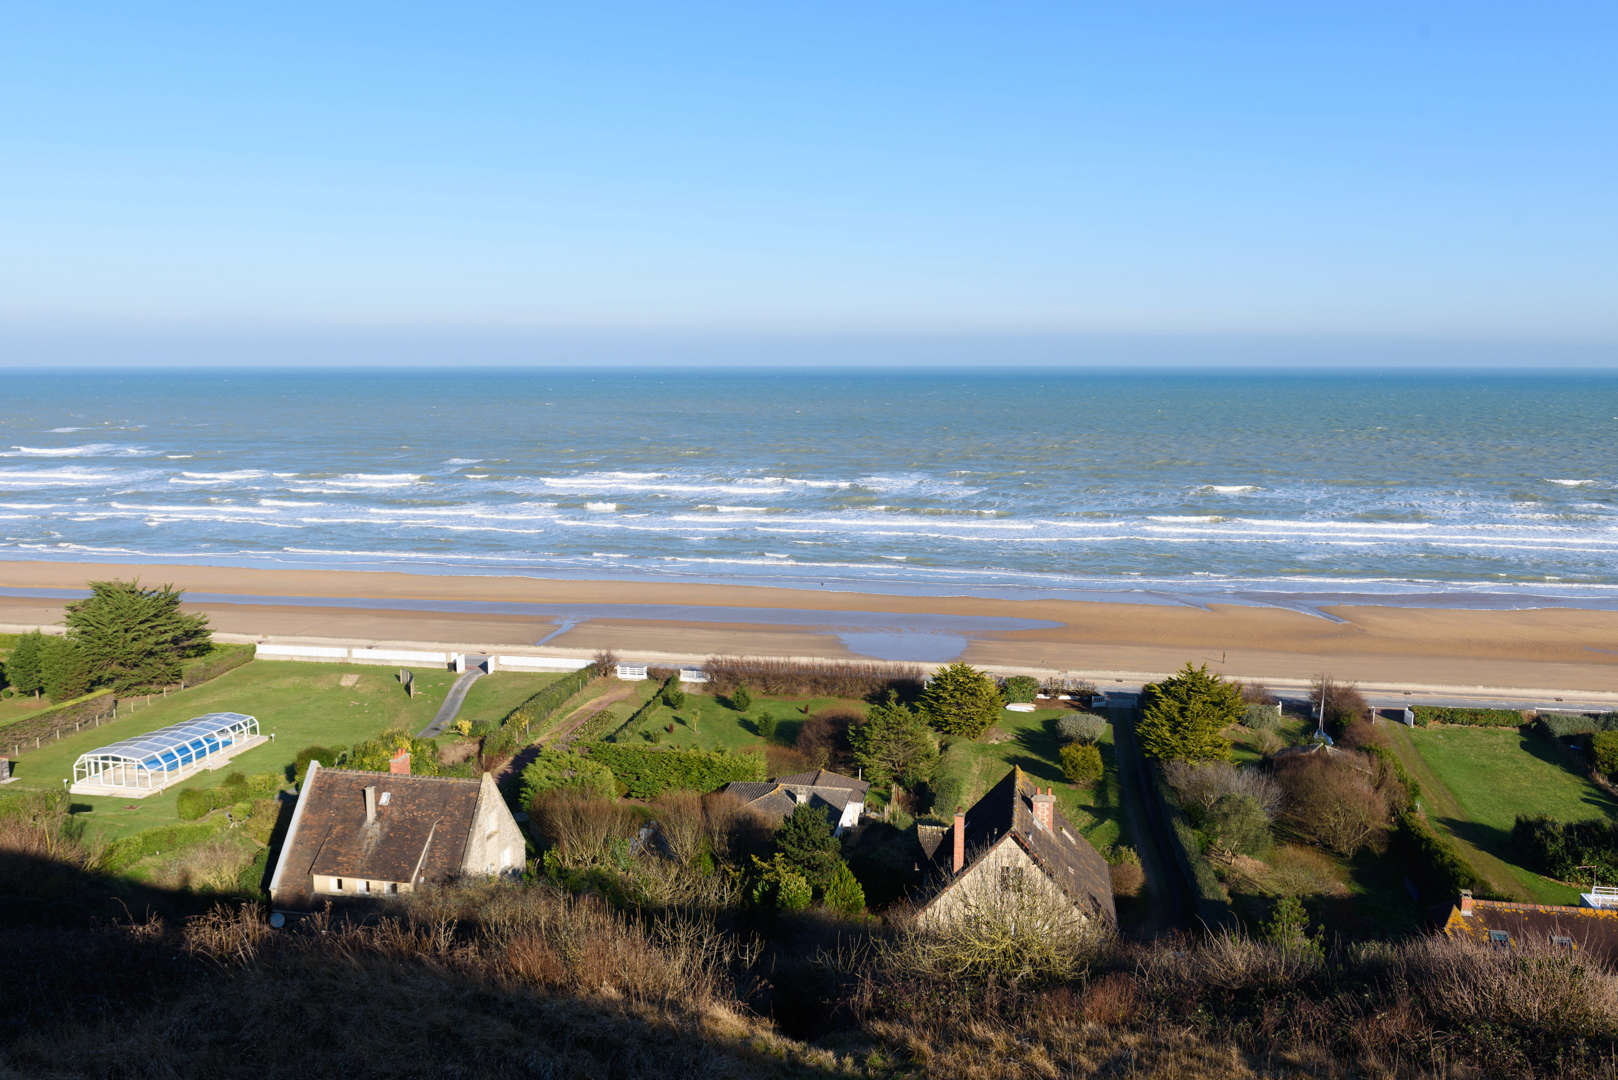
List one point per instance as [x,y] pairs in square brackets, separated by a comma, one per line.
[158,757]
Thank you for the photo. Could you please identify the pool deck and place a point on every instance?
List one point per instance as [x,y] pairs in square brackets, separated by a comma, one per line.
[209,764]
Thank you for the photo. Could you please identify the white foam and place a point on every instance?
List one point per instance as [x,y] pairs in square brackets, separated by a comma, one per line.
[1572,483]
[64,476]
[1226,489]
[601,507]
[87,450]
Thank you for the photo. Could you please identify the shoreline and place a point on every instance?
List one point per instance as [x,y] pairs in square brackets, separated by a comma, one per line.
[1574,649]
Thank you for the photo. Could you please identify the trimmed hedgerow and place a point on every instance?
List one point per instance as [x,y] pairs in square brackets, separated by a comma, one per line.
[1561,725]
[645,772]
[1567,849]
[126,851]
[1431,861]
[536,710]
[1457,717]
[214,663]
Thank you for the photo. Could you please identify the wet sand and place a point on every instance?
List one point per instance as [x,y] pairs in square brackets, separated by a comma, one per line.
[1574,650]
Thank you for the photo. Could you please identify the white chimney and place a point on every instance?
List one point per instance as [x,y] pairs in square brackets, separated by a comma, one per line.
[370,804]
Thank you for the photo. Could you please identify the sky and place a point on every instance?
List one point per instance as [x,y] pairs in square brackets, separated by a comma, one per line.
[308,182]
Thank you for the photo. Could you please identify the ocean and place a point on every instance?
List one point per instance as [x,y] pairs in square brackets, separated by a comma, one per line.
[1164,487]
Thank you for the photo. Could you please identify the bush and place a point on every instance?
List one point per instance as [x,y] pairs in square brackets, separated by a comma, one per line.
[376,755]
[300,764]
[1444,714]
[1431,861]
[1185,716]
[1020,688]
[645,773]
[671,694]
[1333,799]
[1081,763]
[1344,703]
[844,894]
[1200,786]
[1561,725]
[740,699]
[1080,727]
[823,737]
[765,725]
[214,663]
[552,769]
[1260,717]
[194,803]
[1237,825]
[126,851]
[1567,850]
[777,884]
[1604,751]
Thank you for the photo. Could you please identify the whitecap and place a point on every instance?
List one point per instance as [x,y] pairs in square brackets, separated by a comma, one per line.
[601,507]
[1226,489]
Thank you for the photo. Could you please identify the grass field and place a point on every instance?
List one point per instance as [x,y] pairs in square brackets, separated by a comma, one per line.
[15,708]
[1031,745]
[709,723]
[301,703]
[494,696]
[1475,781]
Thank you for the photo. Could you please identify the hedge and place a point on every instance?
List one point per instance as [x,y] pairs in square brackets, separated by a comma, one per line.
[1567,850]
[59,718]
[536,710]
[641,713]
[1431,861]
[645,772]
[220,659]
[1213,902]
[1444,714]
[199,802]
[1561,725]
[553,769]
[126,851]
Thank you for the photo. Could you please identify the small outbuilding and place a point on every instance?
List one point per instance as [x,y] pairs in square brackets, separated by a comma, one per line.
[149,763]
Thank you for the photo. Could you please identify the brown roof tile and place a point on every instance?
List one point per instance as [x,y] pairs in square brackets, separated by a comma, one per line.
[420,833]
[1590,930]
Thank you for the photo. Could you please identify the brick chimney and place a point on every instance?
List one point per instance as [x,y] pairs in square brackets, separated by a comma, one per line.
[1044,806]
[1466,902]
[399,765]
[370,804]
[957,837]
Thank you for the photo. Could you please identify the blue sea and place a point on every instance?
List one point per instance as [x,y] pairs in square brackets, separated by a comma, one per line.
[1166,487]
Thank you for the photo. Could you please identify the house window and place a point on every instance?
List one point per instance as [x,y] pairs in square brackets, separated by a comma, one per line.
[1500,939]
[362,886]
[337,885]
[393,886]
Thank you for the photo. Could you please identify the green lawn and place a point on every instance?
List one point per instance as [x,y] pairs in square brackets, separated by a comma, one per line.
[300,703]
[709,723]
[1477,780]
[15,708]
[1032,746]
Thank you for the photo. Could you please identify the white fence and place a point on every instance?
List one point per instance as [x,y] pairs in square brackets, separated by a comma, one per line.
[300,652]
[398,656]
[631,672]
[538,663]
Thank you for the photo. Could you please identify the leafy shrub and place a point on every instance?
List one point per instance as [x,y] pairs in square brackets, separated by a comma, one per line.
[844,894]
[1128,876]
[1185,716]
[1236,825]
[1344,703]
[777,884]
[1567,850]
[376,755]
[765,725]
[671,694]
[823,738]
[1020,688]
[644,772]
[300,764]
[1604,751]
[1201,785]
[1431,861]
[1261,717]
[1564,724]
[195,803]
[961,700]
[740,699]
[1445,714]
[1080,727]
[1081,763]
[552,769]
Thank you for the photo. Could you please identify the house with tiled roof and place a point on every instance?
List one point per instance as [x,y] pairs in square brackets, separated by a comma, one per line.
[1591,929]
[1012,839]
[841,797]
[360,834]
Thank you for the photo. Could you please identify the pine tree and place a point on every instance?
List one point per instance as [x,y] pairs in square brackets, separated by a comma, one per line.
[64,669]
[25,665]
[1186,715]
[893,744]
[806,842]
[961,700]
[135,636]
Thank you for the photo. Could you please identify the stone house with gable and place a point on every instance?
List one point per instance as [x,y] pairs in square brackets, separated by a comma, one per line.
[1013,839]
[360,834]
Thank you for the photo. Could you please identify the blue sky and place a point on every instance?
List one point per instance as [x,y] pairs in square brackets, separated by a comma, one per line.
[497,173]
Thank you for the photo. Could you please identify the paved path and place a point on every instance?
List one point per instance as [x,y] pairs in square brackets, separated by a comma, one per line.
[452,703]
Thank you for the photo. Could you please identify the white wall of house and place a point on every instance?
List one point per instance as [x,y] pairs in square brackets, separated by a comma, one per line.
[495,843]
[1005,867]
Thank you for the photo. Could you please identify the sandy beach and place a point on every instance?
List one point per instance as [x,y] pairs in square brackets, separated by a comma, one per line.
[1386,646]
